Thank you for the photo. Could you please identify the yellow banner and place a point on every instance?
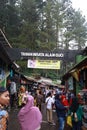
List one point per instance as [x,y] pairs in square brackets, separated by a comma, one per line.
[44,64]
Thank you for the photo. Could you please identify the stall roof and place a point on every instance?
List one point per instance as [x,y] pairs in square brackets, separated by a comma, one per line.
[4,54]
[81,65]
[3,44]
[3,40]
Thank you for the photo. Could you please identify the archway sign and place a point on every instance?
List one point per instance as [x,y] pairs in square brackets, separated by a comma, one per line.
[39,59]
[43,60]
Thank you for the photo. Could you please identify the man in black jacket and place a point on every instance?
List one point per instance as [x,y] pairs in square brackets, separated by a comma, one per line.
[61,111]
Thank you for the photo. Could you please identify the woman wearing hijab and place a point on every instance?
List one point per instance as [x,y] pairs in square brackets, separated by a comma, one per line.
[77,114]
[29,116]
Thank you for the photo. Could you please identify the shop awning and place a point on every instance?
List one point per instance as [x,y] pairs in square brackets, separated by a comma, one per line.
[78,67]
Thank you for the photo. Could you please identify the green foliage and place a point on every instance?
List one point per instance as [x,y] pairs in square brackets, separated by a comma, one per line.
[29,14]
[42,25]
[76,29]
[3,13]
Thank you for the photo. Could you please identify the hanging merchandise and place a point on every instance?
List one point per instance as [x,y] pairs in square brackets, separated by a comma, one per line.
[11,73]
[70,83]
[75,74]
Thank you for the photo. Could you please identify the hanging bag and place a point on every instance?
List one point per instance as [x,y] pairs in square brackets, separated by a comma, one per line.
[69,120]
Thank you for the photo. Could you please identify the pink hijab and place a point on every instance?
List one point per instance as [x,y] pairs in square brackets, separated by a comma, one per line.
[29,116]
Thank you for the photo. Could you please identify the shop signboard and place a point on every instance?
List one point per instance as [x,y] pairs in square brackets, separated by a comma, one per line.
[44,64]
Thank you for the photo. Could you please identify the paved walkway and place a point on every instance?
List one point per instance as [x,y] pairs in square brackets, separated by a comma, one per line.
[13,122]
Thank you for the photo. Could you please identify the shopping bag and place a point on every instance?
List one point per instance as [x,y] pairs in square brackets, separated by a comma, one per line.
[69,120]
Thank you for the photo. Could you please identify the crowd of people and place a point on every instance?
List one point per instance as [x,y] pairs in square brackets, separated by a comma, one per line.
[30,111]
[68,104]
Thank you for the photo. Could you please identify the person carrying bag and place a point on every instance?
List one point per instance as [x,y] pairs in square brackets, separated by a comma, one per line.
[76,113]
[69,120]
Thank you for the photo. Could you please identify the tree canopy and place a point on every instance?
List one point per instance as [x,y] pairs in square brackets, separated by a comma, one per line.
[39,24]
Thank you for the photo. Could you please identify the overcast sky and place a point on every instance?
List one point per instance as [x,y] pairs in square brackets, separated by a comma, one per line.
[82,4]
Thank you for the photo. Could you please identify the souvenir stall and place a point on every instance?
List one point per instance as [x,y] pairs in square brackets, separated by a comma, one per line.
[76,78]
